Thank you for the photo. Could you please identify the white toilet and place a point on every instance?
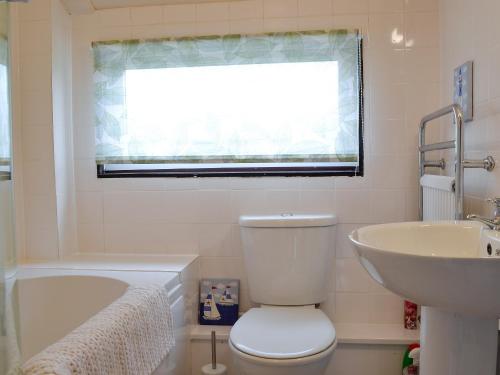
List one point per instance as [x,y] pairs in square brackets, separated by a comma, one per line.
[288,259]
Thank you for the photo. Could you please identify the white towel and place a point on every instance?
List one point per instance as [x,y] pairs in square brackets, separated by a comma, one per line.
[129,337]
[445,183]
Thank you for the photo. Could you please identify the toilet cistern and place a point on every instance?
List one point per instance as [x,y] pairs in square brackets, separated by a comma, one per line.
[288,258]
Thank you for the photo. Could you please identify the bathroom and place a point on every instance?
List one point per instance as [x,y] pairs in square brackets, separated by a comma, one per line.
[73,209]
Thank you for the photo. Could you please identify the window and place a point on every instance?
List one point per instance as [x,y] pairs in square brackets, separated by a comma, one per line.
[5,143]
[236,105]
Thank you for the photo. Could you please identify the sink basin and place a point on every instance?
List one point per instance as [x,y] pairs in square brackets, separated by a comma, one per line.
[450,265]
[452,269]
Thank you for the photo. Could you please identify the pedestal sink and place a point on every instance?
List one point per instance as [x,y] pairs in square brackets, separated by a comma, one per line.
[452,269]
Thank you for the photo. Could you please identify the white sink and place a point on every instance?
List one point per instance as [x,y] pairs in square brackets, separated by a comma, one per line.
[438,264]
[447,267]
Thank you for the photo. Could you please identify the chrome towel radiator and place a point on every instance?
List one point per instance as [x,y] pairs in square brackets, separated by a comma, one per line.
[460,163]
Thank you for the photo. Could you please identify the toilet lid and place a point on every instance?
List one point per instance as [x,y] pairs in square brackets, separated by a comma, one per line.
[283,332]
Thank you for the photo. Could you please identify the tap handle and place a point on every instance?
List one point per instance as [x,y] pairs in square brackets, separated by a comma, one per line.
[495,201]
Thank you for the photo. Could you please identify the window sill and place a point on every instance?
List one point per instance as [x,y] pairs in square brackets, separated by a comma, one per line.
[306,171]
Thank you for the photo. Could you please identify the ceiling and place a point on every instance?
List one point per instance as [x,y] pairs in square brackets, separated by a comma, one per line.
[89,6]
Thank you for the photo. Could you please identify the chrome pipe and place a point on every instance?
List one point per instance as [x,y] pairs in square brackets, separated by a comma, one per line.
[457,144]
[214,351]
[437,146]
[487,163]
[435,164]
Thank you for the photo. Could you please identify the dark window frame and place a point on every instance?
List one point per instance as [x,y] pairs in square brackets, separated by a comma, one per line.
[272,170]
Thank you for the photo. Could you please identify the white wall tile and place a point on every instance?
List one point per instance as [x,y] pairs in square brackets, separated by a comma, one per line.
[344,247]
[136,237]
[115,17]
[147,15]
[115,33]
[386,31]
[212,27]
[421,62]
[39,177]
[308,8]
[41,209]
[317,201]
[35,10]
[387,206]
[148,31]
[86,175]
[215,240]
[252,9]
[136,207]
[91,237]
[350,6]
[90,207]
[181,238]
[38,107]
[353,206]
[386,6]
[316,22]
[214,207]
[37,143]
[422,29]
[280,8]
[150,238]
[368,308]
[181,206]
[208,12]
[36,72]
[179,13]
[246,26]
[36,38]
[180,29]
[41,243]
[421,5]
[358,21]
[281,24]
[352,277]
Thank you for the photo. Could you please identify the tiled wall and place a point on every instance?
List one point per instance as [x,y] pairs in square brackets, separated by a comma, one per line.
[200,215]
[44,120]
[35,123]
[476,38]
[63,129]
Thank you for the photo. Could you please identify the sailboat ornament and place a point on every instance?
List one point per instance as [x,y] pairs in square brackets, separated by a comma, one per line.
[219,301]
[226,298]
[210,311]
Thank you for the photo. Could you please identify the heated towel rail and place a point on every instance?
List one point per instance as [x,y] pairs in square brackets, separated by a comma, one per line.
[460,163]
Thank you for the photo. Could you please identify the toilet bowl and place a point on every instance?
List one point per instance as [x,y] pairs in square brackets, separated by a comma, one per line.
[289,262]
[277,340]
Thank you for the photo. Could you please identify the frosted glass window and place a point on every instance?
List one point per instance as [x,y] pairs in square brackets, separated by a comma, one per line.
[275,101]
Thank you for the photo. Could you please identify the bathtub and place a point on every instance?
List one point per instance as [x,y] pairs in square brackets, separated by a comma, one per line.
[53,301]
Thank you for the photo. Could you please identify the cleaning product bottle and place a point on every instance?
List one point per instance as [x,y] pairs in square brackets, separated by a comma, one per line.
[411,360]
[411,315]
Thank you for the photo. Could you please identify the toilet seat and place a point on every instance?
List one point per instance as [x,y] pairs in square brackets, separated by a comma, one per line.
[281,333]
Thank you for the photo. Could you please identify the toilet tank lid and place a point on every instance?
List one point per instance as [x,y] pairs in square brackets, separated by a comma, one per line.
[288,220]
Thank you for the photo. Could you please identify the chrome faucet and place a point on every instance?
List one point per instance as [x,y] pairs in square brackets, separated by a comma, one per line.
[493,223]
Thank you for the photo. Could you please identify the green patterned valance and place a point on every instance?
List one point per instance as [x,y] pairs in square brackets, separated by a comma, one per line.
[209,99]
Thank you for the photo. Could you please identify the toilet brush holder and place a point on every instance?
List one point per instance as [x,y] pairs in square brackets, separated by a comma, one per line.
[214,368]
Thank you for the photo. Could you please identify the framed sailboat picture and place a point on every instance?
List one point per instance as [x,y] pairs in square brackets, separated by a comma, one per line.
[219,301]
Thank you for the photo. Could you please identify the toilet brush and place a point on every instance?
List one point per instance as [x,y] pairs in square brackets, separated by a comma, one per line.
[214,368]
